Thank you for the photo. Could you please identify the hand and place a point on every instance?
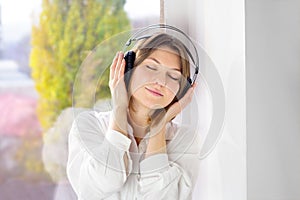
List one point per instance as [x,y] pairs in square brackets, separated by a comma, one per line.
[177,107]
[163,118]
[117,84]
[119,94]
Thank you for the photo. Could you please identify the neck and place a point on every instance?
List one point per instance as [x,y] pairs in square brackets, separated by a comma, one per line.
[139,119]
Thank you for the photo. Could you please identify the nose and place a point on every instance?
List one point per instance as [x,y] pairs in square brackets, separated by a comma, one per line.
[160,78]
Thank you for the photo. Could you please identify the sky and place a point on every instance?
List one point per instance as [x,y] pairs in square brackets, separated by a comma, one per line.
[17,15]
[142,8]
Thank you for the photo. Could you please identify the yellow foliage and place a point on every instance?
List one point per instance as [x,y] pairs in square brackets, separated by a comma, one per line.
[68,29]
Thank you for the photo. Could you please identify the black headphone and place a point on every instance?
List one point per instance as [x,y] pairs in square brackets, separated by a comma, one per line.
[139,35]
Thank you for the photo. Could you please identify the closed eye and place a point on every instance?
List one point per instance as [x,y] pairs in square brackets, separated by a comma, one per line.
[151,67]
[175,77]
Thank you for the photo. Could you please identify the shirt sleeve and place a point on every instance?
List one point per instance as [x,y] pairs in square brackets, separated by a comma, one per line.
[96,167]
[171,176]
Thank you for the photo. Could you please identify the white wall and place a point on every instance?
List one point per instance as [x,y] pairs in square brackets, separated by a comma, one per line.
[219,27]
[273,99]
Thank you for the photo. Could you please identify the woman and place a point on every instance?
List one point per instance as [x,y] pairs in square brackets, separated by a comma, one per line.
[135,151]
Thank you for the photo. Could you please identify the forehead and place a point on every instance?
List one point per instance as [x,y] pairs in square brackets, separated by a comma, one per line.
[165,57]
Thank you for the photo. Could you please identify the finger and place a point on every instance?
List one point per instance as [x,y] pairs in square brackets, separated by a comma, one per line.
[194,85]
[174,110]
[187,98]
[113,66]
[118,66]
[189,93]
[122,69]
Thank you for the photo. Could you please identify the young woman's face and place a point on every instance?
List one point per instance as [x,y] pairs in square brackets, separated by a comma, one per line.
[155,82]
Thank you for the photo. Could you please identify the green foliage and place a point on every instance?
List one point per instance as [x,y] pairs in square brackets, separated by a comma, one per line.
[67,31]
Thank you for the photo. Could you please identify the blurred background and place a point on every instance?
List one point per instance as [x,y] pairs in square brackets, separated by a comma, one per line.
[255,48]
[42,44]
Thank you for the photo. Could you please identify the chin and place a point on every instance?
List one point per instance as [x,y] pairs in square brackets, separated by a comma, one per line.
[155,106]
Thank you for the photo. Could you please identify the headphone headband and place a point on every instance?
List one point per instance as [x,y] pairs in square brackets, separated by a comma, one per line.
[139,36]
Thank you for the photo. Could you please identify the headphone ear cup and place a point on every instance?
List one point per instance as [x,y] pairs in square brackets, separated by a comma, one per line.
[129,65]
[187,86]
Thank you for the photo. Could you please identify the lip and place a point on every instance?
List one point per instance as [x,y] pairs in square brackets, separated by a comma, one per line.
[154,92]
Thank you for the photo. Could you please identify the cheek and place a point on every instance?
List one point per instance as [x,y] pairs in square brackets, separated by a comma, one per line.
[172,90]
[171,94]
[138,79]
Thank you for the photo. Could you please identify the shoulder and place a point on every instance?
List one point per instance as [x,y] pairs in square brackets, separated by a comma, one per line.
[92,116]
[91,121]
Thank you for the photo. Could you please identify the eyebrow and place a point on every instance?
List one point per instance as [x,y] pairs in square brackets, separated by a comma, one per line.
[157,61]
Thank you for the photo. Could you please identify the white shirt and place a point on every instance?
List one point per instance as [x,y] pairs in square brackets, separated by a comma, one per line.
[96,167]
